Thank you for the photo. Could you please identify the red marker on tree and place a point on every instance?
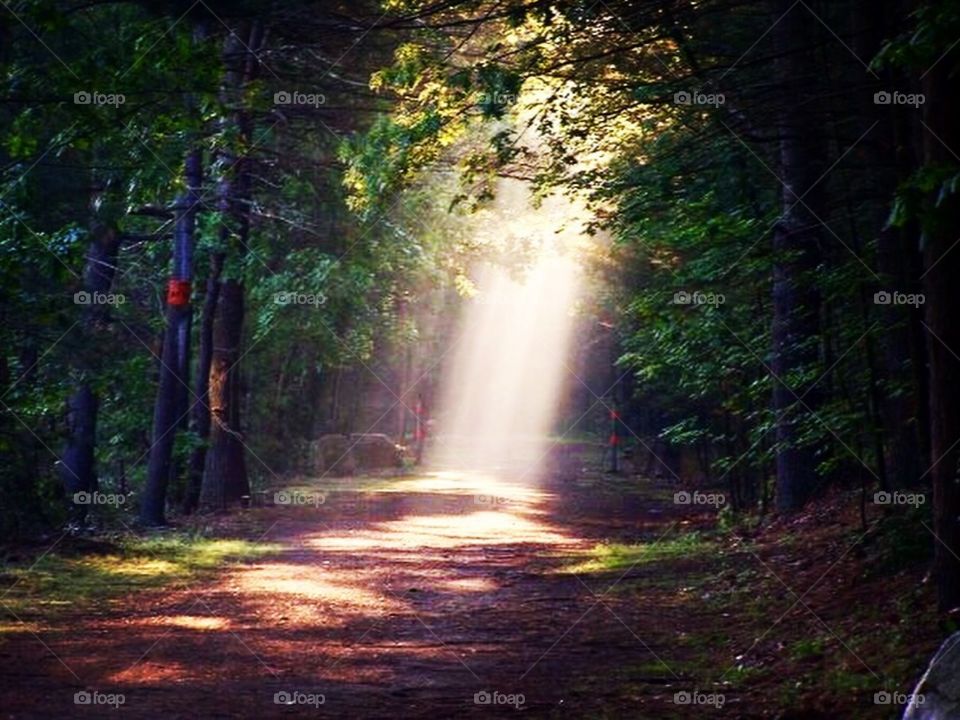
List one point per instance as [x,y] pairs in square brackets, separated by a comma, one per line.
[178,292]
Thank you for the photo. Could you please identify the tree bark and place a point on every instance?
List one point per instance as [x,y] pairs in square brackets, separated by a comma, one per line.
[901,391]
[171,403]
[77,467]
[797,254]
[200,420]
[942,290]
[225,475]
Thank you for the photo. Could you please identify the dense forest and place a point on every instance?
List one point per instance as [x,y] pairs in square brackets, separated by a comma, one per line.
[239,245]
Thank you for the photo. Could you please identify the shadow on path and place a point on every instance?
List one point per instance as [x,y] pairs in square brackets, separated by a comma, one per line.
[405,602]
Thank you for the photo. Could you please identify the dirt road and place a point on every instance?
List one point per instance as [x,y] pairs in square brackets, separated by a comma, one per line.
[436,596]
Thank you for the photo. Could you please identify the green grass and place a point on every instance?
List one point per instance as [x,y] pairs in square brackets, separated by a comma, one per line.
[608,557]
[655,668]
[58,582]
[808,648]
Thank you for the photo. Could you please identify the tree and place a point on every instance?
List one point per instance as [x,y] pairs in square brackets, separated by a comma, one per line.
[941,225]
[171,406]
[796,246]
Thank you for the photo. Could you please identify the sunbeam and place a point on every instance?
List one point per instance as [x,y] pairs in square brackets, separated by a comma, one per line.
[501,389]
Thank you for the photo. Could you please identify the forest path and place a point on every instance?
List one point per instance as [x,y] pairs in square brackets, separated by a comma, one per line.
[405,600]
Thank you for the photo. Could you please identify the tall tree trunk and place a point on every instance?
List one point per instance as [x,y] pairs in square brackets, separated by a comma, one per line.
[171,403]
[797,254]
[900,396]
[200,420]
[942,289]
[171,408]
[77,467]
[225,473]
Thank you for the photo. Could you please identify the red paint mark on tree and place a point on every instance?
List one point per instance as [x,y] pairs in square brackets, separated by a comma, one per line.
[178,292]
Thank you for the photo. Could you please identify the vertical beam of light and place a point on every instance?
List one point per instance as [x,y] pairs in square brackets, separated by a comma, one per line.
[500,392]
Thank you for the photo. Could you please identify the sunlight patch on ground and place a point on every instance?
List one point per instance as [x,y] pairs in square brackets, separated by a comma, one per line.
[135,566]
[444,531]
[190,622]
[56,583]
[302,582]
[152,671]
[458,585]
[462,482]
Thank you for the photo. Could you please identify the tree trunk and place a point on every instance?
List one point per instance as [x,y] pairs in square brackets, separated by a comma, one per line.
[797,254]
[901,391]
[942,290]
[225,476]
[200,421]
[171,403]
[77,467]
